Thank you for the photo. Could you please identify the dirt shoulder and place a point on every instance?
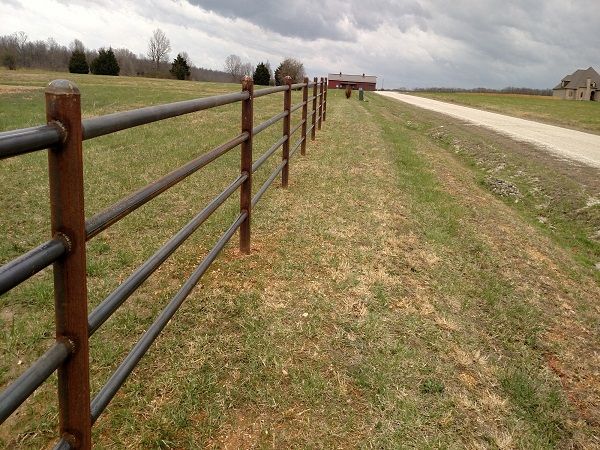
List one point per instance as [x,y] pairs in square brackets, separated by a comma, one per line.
[570,144]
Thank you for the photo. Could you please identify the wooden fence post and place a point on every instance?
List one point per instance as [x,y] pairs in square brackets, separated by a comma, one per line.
[246,163]
[313,130]
[65,166]
[304,115]
[325,101]
[287,106]
[320,104]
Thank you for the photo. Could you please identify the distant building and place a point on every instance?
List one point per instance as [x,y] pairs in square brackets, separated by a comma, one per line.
[341,80]
[580,85]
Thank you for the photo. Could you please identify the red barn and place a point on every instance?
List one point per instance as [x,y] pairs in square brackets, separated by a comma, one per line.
[341,80]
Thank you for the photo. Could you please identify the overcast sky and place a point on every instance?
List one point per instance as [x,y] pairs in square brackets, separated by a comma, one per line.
[410,43]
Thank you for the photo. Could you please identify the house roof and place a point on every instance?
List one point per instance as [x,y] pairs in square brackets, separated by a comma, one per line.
[578,79]
[352,78]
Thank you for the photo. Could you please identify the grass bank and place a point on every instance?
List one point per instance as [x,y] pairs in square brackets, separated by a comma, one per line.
[584,116]
[390,301]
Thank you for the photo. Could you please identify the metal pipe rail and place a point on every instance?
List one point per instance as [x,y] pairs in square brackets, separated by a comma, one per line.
[111,123]
[104,219]
[271,90]
[25,266]
[17,392]
[111,303]
[63,135]
[27,140]
[296,146]
[267,123]
[111,387]
[268,183]
[296,128]
[260,161]
[296,107]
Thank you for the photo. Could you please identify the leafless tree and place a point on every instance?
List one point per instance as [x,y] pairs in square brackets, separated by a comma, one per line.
[127,60]
[290,67]
[247,69]
[233,66]
[159,47]
[76,45]
[187,58]
[21,38]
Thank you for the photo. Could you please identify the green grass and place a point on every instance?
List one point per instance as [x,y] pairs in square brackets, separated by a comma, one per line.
[578,115]
[380,308]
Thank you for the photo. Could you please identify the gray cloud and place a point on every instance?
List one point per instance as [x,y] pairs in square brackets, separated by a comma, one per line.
[413,43]
[313,19]
[468,42]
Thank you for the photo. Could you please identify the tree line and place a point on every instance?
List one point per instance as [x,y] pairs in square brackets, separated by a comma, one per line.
[17,51]
[262,74]
[480,90]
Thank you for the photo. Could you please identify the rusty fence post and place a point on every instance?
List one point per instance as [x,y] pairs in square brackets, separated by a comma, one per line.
[65,166]
[287,106]
[325,101]
[313,130]
[246,163]
[320,104]
[304,115]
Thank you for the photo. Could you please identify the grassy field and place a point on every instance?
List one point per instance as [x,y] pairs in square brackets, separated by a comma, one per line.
[584,116]
[393,298]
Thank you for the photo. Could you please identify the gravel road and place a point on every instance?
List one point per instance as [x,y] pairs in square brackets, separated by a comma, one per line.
[583,147]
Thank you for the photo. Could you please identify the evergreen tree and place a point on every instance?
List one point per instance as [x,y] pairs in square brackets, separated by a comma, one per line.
[180,68]
[105,63]
[261,75]
[278,76]
[78,63]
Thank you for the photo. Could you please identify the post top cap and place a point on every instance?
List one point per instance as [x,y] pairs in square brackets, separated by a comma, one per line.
[59,87]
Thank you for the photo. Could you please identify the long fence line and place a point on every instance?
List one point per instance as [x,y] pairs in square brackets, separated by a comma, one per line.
[63,136]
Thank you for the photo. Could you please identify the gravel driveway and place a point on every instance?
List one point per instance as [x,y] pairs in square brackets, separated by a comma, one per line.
[583,147]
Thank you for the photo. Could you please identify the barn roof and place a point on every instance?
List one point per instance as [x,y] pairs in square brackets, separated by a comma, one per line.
[578,79]
[352,78]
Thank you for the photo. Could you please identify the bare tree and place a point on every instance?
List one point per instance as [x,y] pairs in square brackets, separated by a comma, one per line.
[187,58]
[127,61]
[21,38]
[247,69]
[233,66]
[289,67]
[76,45]
[159,47]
